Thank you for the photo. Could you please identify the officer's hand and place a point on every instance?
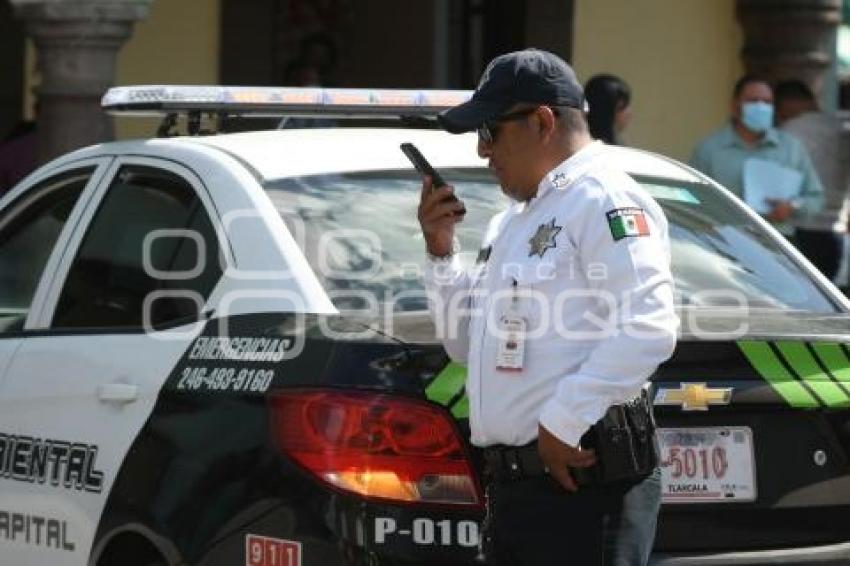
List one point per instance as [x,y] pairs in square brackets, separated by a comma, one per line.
[781,210]
[438,213]
[559,457]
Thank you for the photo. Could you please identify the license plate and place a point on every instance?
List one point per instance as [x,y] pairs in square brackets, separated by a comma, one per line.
[707,465]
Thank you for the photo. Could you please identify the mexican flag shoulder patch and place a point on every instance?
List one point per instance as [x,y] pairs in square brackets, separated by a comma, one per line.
[626,222]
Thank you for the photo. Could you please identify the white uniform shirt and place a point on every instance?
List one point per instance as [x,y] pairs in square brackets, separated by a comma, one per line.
[598,303]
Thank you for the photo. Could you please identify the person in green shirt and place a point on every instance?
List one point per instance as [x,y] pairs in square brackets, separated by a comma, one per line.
[749,135]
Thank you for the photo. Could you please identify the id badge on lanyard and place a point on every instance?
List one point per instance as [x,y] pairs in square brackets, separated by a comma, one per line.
[511,336]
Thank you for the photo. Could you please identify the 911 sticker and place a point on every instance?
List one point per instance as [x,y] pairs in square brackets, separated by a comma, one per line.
[424,531]
[266,551]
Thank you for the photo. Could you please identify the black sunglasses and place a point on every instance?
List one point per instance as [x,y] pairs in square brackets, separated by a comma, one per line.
[488,131]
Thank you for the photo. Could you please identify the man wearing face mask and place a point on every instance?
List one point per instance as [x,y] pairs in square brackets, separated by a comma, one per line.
[735,155]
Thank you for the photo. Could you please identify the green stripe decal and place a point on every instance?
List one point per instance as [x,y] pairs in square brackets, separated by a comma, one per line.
[771,369]
[446,386]
[802,362]
[834,359]
[461,408]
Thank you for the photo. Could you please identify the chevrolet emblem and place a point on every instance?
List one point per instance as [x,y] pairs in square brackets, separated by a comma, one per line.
[694,396]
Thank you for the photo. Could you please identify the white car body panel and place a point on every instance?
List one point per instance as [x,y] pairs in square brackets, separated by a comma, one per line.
[9,344]
[44,400]
[289,153]
[77,216]
[266,265]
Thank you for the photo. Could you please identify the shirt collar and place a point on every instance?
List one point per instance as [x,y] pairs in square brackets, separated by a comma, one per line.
[568,171]
[731,138]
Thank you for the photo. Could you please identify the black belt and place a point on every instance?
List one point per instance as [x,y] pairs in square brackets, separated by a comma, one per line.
[512,463]
[624,440]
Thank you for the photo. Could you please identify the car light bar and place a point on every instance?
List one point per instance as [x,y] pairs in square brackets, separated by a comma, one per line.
[159,100]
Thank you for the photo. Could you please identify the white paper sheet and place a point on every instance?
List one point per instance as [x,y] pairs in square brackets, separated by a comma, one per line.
[769,180]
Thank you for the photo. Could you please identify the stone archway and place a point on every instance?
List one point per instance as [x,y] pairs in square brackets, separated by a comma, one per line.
[785,39]
[77,42]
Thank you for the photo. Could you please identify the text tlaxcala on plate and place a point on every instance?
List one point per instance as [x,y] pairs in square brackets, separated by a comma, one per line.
[710,465]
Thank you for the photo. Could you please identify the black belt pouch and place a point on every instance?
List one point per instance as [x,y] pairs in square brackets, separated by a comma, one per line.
[624,440]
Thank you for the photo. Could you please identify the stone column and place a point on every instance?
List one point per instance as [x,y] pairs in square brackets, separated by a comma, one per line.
[786,39]
[77,42]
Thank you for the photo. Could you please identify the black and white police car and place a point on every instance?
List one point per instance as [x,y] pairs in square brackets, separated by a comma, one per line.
[214,350]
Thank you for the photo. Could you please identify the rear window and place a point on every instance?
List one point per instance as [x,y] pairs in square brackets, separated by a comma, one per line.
[718,252]
[360,234]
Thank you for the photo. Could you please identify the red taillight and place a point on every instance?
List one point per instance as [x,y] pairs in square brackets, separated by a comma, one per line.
[375,445]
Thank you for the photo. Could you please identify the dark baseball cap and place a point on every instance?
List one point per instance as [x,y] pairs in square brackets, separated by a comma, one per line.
[530,75]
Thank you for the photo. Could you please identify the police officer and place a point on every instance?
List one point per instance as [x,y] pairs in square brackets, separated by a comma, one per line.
[564,317]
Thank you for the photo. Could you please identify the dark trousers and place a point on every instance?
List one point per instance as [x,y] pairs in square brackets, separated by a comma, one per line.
[535,521]
[823,248]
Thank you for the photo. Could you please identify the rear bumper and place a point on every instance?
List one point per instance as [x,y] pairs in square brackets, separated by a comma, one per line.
[826,555]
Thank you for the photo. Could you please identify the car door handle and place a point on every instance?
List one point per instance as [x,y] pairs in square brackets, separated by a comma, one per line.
[119,393]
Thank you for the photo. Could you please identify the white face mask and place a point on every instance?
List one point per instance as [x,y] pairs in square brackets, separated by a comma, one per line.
[757,116]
